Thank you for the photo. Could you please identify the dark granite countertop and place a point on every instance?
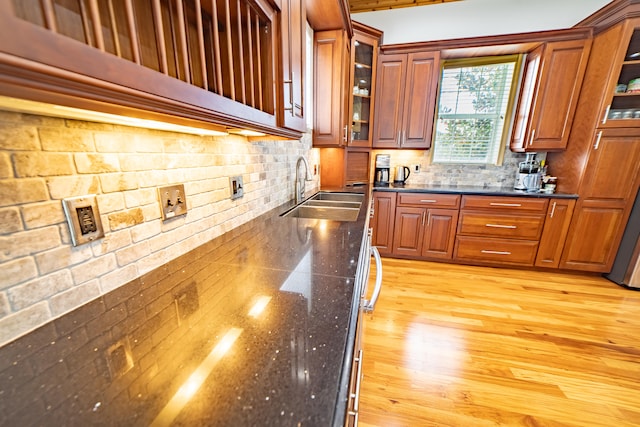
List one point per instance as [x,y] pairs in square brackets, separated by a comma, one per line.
[252,328]
[484,191]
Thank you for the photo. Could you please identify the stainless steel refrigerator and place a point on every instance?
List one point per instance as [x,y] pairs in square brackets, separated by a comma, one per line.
[626,267]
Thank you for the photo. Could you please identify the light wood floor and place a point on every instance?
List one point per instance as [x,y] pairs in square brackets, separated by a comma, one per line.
[454,345]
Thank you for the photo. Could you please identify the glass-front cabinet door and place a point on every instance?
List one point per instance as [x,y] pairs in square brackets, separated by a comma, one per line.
[623,109]
[364,56]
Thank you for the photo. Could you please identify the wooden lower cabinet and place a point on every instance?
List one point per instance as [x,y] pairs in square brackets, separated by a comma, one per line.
[606,197]
[482,230]
[424,233]
[440,234]
[384,208]
[554,233]
[425,225]
[408,231]
[495,251]
[500,230]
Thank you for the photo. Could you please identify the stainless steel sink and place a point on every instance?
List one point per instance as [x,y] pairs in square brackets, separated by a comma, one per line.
[332,204]
[340,197]
[324,205]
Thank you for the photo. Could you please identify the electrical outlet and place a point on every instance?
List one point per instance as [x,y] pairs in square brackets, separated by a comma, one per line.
[237,190]
[83,218]
[173,201]
[416,168]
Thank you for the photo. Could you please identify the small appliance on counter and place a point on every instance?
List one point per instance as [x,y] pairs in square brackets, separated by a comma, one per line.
[402,174]
[529,177]
[383,165]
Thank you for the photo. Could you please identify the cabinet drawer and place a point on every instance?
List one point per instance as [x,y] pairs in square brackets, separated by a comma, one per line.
[514,226]
[429,200]
[494,250]
[520,204]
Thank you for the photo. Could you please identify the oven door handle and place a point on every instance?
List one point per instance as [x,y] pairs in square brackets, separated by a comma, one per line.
[369,305]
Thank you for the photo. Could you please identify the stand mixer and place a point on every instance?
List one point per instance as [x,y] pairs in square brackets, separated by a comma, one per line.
[528,177]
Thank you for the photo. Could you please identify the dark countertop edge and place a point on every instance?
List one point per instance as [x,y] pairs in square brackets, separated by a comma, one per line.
[481,191]
[342,399]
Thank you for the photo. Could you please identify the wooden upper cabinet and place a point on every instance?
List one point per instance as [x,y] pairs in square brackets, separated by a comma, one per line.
[406,92]
[362,87]
[212,63]
[294,31]
[549,95]
[331,56]
[621,106]
[607,193]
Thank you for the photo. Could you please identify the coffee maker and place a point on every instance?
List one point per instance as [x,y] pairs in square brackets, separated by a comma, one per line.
[383,165]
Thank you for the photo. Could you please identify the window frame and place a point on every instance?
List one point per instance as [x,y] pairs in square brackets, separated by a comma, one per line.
[514,93]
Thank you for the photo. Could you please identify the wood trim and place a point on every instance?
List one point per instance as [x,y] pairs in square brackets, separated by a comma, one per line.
[611,14]
[216,43]
[133,32]
[252,83]
[97,24]
[370,31]
[162,48]
[114,29]
[522,42]
[49,15]
[203,59]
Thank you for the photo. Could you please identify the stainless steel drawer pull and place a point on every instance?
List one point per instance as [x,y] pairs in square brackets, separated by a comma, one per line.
[513,205]
[428,201]
[500,226]
[484,251]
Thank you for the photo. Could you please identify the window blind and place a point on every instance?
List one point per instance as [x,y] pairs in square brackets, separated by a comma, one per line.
[472,108]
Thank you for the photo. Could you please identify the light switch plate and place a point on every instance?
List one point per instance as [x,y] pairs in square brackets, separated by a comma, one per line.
[83,218]
[173,201]
[236,186]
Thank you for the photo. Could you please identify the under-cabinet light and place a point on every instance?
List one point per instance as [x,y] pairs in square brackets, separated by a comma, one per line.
[33,107]
[246,132]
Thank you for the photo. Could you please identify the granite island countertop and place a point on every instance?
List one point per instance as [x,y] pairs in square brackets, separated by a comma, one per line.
[255,327]
[470,190]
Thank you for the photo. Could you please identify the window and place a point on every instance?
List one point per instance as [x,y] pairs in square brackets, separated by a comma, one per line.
[475,100]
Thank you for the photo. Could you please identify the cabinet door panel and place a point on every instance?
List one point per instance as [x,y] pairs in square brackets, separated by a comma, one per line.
[612,169]
[392,71]
[409,231]
[589,247]
[561,79]
[293,56]
[384,208]
[329,52]
[419,100]
[440,233]
[554,233]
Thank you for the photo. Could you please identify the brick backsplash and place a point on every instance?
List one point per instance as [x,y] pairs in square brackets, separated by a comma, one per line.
[45,159]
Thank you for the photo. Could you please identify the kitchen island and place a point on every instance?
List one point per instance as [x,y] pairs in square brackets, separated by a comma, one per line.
[255,327]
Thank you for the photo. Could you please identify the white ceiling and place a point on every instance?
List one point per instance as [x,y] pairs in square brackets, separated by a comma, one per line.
[473,18]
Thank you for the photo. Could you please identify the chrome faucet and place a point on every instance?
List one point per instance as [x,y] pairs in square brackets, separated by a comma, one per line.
[299,185]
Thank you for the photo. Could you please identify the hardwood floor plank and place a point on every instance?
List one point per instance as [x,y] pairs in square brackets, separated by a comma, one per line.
[455,345]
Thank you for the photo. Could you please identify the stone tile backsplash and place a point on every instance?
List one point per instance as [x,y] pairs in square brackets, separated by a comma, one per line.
[44,160]
[453,175]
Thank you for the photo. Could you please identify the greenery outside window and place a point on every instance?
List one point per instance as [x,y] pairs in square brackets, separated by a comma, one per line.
[475,106]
